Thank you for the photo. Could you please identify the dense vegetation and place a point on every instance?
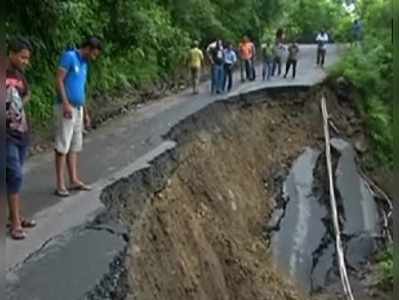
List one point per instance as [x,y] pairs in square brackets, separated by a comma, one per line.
[369,68]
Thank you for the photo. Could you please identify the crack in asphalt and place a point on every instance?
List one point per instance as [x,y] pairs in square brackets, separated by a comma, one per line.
[109,229]
[357,245]
[32,255]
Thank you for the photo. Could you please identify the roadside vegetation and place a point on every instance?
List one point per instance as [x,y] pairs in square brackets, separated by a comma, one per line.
[369,69]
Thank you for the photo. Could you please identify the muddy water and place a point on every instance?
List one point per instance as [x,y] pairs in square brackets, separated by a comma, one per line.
[302,240]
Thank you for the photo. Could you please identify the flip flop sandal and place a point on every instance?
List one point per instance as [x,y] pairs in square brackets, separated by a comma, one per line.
[28,223]
[25,224]
[61,193]
[81,187]
[17,234]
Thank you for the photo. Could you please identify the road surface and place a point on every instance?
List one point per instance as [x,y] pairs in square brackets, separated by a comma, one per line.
[46,265]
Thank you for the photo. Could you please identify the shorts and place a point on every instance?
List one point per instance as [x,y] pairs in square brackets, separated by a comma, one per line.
[15,158]
[69,132]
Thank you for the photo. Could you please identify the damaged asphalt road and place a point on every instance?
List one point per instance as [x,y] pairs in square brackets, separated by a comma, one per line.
[65,254]
[301,230]
[43,274]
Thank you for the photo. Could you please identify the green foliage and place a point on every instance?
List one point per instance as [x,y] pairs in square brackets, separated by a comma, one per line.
[343,30]
[387,266]
[145,40]
[369,67]
[305,18]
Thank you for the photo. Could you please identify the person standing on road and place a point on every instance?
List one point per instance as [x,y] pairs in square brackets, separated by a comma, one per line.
[209,55]
[215,53]
[71,113]
[216,56]
[278,52]
[253,62]
[267,61]
[195,62]
[17,132]
[247,54]
[321,40]
[292,60]
[357,32]
[230,59]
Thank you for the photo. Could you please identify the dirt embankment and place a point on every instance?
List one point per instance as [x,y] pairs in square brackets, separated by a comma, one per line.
[202,235]
[198,232]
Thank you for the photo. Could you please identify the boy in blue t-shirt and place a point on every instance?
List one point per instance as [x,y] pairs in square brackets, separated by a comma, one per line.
[71,114]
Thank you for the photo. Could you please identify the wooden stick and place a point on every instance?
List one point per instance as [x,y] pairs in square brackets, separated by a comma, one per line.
[340,253]
[379,190]
[333,126]
[386,216]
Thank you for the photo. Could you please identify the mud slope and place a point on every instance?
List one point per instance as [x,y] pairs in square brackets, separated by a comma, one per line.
[197,216]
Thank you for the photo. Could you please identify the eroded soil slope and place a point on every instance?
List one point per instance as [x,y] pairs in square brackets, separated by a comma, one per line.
[201,237]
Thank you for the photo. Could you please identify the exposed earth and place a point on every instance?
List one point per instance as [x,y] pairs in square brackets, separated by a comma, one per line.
[202,235]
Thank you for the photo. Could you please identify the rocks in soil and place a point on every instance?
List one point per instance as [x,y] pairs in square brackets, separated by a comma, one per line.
[361,144]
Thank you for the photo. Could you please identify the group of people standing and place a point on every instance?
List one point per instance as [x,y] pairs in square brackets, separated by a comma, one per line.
[223,58]
[71,117]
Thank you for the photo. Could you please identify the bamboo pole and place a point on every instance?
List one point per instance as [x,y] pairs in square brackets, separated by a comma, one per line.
[333,203]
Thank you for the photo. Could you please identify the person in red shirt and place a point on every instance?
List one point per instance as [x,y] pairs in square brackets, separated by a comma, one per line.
[247,56]
[17,132]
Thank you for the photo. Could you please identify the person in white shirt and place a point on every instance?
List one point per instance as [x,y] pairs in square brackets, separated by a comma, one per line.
[230,59]
[322,40]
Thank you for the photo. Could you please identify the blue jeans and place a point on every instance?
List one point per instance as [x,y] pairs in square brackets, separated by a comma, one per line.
[15,158]
[267,69]
[228,77]
[276,66]
[217,78]
[213,88]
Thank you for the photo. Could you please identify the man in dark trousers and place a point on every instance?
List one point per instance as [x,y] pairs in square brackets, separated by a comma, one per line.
[278,52]
[230,59]
[321,40]
[292,60]
[215,53]
[267,61]
[247,53]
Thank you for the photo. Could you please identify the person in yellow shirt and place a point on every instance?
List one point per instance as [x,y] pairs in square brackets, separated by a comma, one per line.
[195,62]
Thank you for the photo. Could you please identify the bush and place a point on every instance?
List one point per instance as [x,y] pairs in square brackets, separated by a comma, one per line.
[305,18]
[387,267]
[369,68]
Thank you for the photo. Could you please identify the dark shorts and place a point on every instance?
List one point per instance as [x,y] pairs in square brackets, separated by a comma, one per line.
[15,158]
